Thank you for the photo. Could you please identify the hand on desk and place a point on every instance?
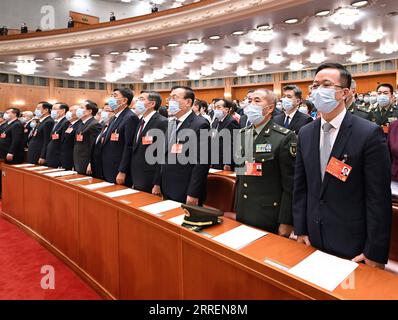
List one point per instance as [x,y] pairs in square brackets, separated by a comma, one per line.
[156,190]
[304,239]
[89,172]
[10,157]
[192,201]
[285,230]
[120,178]
[42,161]
[368,262]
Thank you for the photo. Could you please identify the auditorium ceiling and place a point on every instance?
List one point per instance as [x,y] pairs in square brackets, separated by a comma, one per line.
[290,35]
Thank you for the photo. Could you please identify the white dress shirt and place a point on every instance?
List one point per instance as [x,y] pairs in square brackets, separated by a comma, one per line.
[290,116]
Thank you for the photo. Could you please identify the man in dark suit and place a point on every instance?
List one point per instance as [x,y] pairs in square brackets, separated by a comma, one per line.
[143,173]
[223,127]
[85,136]
[291,118]
[25,119]
[58,112]
[68,138]
[117,140]
[11,138]
[41,134]
[346,216]
[184,182]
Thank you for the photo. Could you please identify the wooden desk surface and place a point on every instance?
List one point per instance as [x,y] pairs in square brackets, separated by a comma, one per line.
[127,253]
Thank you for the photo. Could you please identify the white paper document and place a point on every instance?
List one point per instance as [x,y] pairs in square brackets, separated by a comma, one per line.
[162,206]
[120,193]
[99,185]
[214,170]
[60,173]
[24,165]
[51,170]
[37,168]
[394,188]
[324,270]
[239,237]
[78,179]
[178,220]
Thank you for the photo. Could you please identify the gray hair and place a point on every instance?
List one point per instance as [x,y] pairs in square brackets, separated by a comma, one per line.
[154,96]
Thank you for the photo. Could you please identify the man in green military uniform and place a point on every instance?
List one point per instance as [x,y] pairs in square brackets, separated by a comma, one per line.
[353,107]
[385,112]
[265,179]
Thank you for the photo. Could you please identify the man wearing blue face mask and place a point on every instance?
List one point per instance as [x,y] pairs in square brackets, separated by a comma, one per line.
[58,113]
[342,194]
[144,174]
[41,134]
[385,112]
[117,139]
[264,191]
[291,118]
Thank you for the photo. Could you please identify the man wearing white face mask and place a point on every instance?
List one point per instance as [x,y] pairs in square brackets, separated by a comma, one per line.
[342,194]
[291,118]
[385,112]
[183,182]
[355,108]
[144,174]
[53,155]
[68,138]
[264,192]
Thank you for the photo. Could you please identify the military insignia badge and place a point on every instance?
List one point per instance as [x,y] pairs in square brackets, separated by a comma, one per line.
[293,149]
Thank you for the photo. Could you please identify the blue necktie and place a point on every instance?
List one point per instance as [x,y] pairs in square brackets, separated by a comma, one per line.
[286,124]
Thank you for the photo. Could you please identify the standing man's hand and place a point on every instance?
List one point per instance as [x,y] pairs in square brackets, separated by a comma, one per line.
[156,190]
[10,157]
[120,178]
[304,239]
[89,172]
[285,230]
[41,161]
[192,201]
[370,263]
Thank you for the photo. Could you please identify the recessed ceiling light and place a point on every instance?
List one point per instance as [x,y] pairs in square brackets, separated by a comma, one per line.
[2,62]
[153,48]
[238,33]
[172,45]
[76,57]
[215,37]
[20,61]
[39,60]
[322,13]
[58,59]
[114,53]
[359,4]
[291,21]
[95,55]
[264,27]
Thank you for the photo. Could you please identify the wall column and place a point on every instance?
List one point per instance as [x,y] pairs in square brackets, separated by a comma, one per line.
[228,88]
[51,89]
[278,84]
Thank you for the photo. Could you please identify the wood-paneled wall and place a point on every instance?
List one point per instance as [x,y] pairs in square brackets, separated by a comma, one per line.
[31,95]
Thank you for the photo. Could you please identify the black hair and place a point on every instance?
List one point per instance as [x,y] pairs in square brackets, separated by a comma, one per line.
[387,85]
[46,105]
[202,104]
[63,106]
[297,91]
[189,94]
[126,93]
[91,105]
[16,111]
[345,75]
[154,96]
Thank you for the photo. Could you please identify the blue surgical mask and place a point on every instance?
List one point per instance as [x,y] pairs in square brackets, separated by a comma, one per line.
[366,99]
[303,110]
[373,99]
[104,116]
[218,114]
[54,114]
[279,106]
[254,114]
[174,107]
[33,125]
[112,102]
[140,108]
[383,100]
[325,99]
[68,116]
[38,113]
[80,113]
[287,104]
[22,119]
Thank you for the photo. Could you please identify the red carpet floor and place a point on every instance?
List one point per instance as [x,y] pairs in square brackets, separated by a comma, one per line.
[21,260]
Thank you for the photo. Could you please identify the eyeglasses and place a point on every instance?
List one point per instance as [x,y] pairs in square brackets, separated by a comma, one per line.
[326,85]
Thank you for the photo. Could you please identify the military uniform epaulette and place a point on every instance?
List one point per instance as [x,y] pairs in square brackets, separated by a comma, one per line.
[280,129]
[363,109]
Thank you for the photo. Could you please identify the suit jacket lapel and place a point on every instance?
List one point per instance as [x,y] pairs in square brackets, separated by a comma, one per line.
[338,147]
[294,120]
[316,154]
[138,141]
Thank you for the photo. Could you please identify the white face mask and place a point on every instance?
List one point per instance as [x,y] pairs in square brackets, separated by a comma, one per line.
[254,114]
[325,99]
[218,114]
[303,110]
[287,104]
